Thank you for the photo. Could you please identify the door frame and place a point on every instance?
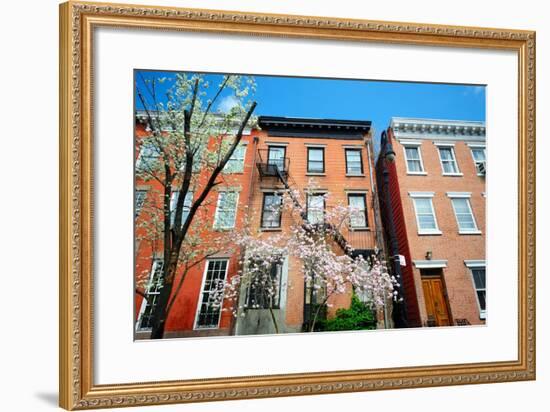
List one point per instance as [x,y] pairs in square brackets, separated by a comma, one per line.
[437,275]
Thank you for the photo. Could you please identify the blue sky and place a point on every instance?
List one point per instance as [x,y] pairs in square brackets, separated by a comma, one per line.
[377,101]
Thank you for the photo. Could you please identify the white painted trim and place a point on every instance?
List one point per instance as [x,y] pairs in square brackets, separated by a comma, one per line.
[199,304]
[144,301]
[406,142]
[421,194]
[421,231]
[457,173]
[320,145]
[269,143]
[474,159]
[356,191]
[473,263]
[459,194]
[430,264]
[444,144]
[409,172]
[474,231]
[214,226]
[352,146]
[477,145]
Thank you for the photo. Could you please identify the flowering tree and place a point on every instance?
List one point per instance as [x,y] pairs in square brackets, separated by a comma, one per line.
[190,140]
[315,243]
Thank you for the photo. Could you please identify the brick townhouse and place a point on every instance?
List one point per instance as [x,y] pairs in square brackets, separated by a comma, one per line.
[337,154]
[431,178]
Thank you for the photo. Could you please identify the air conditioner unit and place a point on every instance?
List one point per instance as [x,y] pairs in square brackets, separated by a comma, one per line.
[481,168]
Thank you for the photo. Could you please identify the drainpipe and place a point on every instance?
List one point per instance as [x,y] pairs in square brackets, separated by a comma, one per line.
[399,314]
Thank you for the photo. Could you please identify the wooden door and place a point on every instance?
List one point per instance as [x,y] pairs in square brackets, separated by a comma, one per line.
[436,302]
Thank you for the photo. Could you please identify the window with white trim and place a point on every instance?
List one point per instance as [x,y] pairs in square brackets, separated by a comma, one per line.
[210,305]
[186,206]
[448,160]
[152,294]
[354,162]
[358,210]
[149,155]
[140,201]
[235,164]
[316,160]
[477,271]
[414,159]
[226,210]
[464,216]
[315,208]
[478,153]
[425,215]
[264,290]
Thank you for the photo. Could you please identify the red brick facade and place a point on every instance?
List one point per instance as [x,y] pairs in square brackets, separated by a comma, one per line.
[440,164]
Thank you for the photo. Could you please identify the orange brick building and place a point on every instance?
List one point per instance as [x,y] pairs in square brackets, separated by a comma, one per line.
[337,154]
[433,206]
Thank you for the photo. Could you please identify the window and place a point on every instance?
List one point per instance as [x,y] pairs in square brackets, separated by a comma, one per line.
[354,162]
[358,212]
[148,156]
[425,214]
[235,164]
[477,269]
[315,160]
[186,206]
[271,210]
[264,291]
[152,294]
[315,208]
[209,311]
[478,153]
[414,160]
[463,213]
[140,200]
[276,157]
[448,160]
[226,210]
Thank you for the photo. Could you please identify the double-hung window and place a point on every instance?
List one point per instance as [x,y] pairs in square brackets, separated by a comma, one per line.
[358,210]
[210,305]
[413,158]
[315,160]
[477,269]
[140,201]
[463,212]
[315,208]
[235,164]
[448,160]
[151,297]
[276,158]
[425,213]
[226,210]
[478,153]
[149,155]
[186,206]
[271,210]
[354,162]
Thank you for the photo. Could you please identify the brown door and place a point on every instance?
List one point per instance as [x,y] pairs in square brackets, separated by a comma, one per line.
[435,297]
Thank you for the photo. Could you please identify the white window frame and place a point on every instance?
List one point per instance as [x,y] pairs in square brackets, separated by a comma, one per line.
[199,305]
[467,196]
[425,195]
[445,145]
[417,146]
[144,301]
[476,264]
[240,160]
[216,224]
[473,147]
[144,146]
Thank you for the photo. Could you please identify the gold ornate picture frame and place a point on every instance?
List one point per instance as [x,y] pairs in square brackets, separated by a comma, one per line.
[78,20]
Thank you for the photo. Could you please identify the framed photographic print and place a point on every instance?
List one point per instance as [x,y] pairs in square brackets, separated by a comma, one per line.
[259,205]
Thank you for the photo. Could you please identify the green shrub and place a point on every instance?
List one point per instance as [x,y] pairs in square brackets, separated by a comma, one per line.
[358,317]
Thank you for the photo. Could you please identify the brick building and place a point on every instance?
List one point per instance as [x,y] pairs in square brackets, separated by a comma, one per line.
[431,178]
[285,153]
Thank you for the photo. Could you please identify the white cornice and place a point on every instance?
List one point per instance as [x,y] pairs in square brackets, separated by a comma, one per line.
[442,130]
